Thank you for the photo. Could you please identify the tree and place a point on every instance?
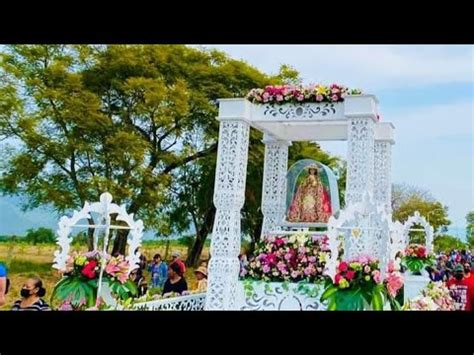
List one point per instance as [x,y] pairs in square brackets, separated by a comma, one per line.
[470,229]
[40,236]
[401,193]
[446,243]
[90,119]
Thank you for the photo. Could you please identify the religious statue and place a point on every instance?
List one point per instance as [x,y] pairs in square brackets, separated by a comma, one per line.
[311,203]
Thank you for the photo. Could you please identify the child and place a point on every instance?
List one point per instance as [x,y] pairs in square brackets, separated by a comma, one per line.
[201,275]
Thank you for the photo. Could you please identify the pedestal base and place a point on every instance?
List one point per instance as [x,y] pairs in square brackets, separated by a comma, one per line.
[277,296]
[414,284]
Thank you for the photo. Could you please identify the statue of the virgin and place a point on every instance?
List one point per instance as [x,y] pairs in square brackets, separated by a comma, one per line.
[311,203]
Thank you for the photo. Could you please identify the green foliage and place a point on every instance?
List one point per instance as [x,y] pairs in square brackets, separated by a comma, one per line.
[435,213]
[116,118]
[470,229]
[446,243]
[40,236]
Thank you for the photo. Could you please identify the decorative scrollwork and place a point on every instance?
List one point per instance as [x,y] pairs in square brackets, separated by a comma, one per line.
[302,111]
[273,296]
[182,303]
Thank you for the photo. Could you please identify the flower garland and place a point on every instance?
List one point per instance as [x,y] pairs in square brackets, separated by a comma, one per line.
[281,94]
[294,259]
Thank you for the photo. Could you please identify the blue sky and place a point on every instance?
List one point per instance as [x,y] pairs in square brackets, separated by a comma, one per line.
[427,92]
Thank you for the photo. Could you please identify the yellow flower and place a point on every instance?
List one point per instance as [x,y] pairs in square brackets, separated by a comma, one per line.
[321,89]
[343,283]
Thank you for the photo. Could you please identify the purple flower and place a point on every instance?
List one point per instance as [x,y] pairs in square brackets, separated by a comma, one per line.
[312,259]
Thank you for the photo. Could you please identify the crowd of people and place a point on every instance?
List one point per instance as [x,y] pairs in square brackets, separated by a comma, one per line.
[168,279]
[455,269]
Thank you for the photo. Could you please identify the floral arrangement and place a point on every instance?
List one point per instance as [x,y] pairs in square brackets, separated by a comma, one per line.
[358,285]
[78,288]
[434,297]
[294,259]
[281,94]
[416,258]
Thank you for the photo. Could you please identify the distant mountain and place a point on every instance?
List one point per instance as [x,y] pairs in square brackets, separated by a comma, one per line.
[13,221]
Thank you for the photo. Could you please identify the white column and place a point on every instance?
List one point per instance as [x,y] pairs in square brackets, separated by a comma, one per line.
[274,184]
[229,196]
[384,139]
[383,181]
[361,113]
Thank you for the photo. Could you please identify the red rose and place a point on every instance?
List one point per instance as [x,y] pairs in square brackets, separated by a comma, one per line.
[337,278]
[421,252]
[350,275]
[342,266]
[88,270]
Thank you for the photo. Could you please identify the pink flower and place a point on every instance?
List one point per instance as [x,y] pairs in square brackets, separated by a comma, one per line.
[334,97]
[312,259]
[342,266]
[281,267]
[294,274]
[279,98]
[308,271]
[123,277]
[287,256]
[271,259]
[337,278]
[377,277]
[319,97]
[302,250]
[266,268]
[279,242]
[394,283]
[300,97]
[366,269]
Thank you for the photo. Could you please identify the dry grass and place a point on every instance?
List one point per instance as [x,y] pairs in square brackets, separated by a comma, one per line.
[25,260]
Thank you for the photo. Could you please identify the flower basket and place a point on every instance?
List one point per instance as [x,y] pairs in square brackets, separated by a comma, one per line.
[77,290]
[358,286]
[417,258]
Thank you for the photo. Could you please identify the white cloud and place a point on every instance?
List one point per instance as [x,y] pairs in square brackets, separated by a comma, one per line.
[369,67]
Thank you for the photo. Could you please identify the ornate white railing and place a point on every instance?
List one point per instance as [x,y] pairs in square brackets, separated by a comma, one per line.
[194,302]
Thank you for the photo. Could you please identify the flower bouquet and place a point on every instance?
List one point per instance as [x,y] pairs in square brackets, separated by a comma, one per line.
[282,94]
[416,258]
[358,285]
[77,289]
[434,297]
[299,258]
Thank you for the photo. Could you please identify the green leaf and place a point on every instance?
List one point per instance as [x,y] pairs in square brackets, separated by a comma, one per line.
[329,292]
[377,300]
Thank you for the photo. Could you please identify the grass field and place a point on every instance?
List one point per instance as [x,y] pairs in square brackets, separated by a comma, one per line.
[24,260]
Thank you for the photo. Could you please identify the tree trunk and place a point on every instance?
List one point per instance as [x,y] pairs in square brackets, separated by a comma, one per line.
[90,235]
[120,242]
[255,237]
[201,235]
[167,249]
